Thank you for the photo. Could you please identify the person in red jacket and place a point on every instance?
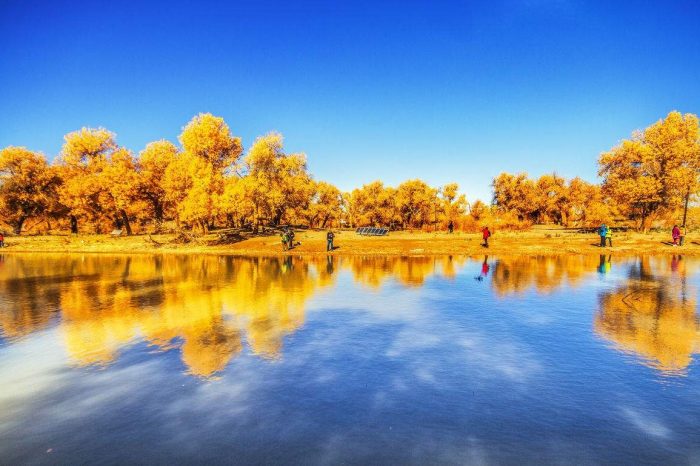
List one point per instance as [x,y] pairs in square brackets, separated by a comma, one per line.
[676,235]
[2,240]
[486,233]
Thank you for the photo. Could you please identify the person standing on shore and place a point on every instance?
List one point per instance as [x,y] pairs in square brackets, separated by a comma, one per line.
[608,236]
[2,240]
[676,235]
[603,232]
[486,234]
[285,240]
[450,227]
[290,235]
[329,240]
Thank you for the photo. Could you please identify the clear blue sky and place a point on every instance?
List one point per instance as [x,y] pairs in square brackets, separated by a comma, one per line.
[392,90]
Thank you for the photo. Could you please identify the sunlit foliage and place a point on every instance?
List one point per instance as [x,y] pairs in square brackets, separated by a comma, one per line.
[95,185]
[655,170]
[27,186]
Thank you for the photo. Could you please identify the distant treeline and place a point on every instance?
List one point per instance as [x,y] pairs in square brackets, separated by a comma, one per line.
[95,185]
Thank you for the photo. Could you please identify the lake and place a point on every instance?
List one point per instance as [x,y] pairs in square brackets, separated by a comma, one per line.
[352,360]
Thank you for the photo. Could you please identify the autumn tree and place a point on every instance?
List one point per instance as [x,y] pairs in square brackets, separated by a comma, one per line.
[234,204]
[655,170]
[453,204]
[326,205]
[551,198]
[478,210]
[277,181]
[195,178]
[119,183]
[416,203]
[152,164]
[586,204]
[516,193]
[82,159]
[27,186]
[373,204]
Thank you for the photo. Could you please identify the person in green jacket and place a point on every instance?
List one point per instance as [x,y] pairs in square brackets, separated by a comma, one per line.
[285,240]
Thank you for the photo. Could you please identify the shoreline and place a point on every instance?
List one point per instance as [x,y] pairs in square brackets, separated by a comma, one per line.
[550,242]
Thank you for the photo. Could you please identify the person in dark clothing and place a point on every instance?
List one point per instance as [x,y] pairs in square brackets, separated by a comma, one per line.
[329,240]
[450,227]
[486,234]
[290,234]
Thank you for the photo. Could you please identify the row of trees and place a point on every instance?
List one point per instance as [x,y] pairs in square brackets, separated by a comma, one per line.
[653,175]
[96,185]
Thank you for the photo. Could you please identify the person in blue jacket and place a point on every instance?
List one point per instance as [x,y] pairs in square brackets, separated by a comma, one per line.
[603,232]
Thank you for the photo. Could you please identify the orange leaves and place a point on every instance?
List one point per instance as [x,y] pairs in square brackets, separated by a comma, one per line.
[654,171]
[209,138]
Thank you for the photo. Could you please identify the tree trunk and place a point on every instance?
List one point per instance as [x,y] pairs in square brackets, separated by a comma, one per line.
[125,221]
[685,209]
[158,213]
[74,224]
[18,225]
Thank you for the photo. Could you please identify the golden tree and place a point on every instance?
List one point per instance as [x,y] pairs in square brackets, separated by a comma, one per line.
[233,204]
[277,182]
[326,205]
[453,204]
[83,157]
[416,202]
[551,198]
[27,186]
[373,204]
[656,170]
[195,179]
[152,164]
[516,193]
[209,138]
[120,186]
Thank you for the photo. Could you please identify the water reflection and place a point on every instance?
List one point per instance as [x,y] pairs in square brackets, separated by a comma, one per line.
[207,306]
[212,308]
[545,274]
[653,314]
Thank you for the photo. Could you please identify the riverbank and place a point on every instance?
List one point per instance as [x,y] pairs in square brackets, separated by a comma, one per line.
[538,241]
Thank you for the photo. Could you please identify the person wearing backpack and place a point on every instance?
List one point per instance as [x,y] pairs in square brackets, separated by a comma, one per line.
[329,240]
[608,236]
[603,231]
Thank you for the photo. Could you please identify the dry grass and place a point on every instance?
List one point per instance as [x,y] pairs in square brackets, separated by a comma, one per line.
[542,240]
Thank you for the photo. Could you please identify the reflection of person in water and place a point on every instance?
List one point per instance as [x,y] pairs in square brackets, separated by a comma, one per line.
[287,264]
[329,265]
[485,267]
[675,261]
[605,264]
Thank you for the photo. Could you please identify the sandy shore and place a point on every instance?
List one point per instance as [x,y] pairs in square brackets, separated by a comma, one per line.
[538,241]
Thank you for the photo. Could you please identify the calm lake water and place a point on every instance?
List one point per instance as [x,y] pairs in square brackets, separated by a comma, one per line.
[165,359]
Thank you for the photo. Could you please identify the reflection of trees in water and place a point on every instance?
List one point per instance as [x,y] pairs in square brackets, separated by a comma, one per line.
[373,271]
[653,314]
[205,305]
[208,306]
[512,275]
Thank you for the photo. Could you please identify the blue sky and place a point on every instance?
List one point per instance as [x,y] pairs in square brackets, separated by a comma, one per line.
[445,91]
